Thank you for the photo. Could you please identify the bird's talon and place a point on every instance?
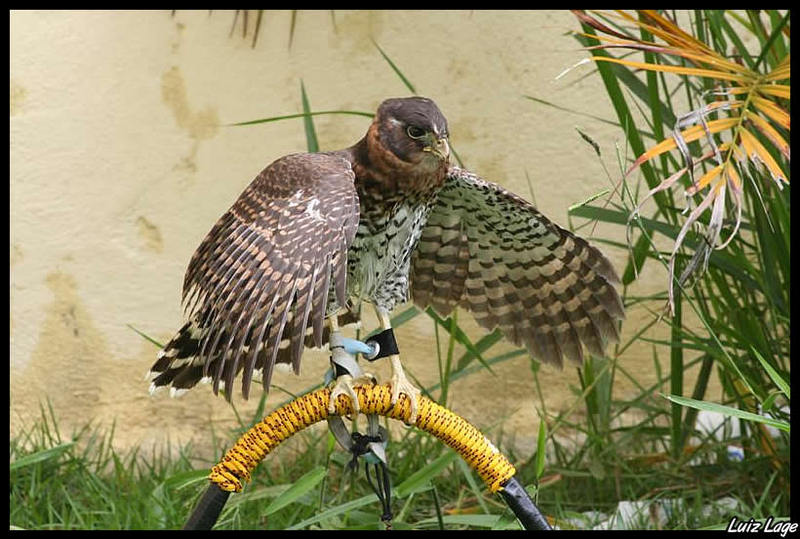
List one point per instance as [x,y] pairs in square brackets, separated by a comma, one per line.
[401,385]
[345,385]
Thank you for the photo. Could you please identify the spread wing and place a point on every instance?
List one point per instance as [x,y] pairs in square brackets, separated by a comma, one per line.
[263,273]
[493,253]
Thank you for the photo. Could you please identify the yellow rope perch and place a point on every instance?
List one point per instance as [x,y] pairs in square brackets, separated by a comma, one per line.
[238,463]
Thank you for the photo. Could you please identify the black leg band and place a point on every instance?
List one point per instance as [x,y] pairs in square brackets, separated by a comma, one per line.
[386,343]
[338,370]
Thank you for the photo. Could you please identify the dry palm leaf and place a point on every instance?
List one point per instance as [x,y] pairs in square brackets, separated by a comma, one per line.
[745,103]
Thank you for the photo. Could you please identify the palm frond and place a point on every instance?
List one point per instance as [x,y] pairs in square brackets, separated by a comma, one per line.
[743,121]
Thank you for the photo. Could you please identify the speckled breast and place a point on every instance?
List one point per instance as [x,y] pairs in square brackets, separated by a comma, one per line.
[380,256]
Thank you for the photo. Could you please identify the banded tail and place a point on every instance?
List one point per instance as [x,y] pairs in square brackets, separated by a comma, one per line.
[179,365]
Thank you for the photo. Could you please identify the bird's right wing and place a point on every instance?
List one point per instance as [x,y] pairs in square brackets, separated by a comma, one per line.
[270,258]
[493,253]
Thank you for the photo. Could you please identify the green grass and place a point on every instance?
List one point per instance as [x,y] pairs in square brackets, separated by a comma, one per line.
[742,299]
[590,456]
[83,483]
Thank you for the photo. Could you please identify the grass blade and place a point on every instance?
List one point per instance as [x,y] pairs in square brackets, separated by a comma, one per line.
[775,33]
[720,259]
[304,115]
[728,411]
[258,28]
[396,69]
[482,345]
[676,375]
[610,80]
[559,107]
[291,27]
[476,489]
[334,511]
[477,521]
[459,335]
[40,456]
[145,336]
[422,476]
[634,266]
[297,490]
[773,374]
[308,122]
[184,479]
[541,444]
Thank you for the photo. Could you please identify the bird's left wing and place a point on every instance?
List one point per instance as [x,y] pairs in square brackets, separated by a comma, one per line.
[490,251]
[262,274]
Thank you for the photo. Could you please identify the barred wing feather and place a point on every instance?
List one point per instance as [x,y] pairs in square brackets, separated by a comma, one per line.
[491,252]
[262,275]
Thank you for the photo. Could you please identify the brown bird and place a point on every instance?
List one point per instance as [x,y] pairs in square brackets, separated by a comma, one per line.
[316,233]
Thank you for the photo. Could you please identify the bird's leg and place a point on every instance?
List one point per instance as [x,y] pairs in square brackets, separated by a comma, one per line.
[400,383]
[346,371]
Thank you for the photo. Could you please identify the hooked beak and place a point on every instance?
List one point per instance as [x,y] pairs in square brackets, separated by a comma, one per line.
[438,146]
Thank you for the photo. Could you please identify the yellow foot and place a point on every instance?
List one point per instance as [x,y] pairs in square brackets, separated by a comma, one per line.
[400,384]
[344,385]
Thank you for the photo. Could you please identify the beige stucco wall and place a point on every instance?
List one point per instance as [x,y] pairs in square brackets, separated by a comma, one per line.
[121,162]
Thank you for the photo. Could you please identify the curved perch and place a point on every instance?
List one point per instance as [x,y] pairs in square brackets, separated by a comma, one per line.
[237,465]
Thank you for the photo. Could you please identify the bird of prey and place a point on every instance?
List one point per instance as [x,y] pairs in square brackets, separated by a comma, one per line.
[316,233]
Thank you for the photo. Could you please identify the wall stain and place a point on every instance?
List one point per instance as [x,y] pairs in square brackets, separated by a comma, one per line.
[336,132]
[18,96]
[493,169]
[176,44]
[71,367]
[198,124]
[150,234]
[460,68]
[356,30]
[69,362]
[17,255]
[462,130]
[201,124]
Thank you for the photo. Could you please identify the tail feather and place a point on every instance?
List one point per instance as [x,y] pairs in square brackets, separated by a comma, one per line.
[178,365]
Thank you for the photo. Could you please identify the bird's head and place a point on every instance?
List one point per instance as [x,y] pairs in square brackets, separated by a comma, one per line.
[414,130]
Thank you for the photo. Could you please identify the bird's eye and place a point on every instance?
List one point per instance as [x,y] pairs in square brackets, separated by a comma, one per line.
[415,132]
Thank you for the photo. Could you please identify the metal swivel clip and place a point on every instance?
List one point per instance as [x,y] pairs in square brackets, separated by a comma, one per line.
[372,445]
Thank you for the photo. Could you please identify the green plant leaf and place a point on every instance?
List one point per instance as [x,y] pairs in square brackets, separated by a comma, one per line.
[720,259]
[728,411]
[460,337]
[396,69]
[292,24]
[422,477]
[478,521]
[398,319]
[308,122]
[775,34]
[303,115]
[676,371]
[611,78]
[271,491]
[559,107]
[145,336]
[303,485]
[541,444]
[634,267]
[473,485]
[405,316]
[483,344]
[334,511]
[773,374]
[184,479]
[40,456]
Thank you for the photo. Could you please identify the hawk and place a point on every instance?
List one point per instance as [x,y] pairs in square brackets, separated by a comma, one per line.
[388,218]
